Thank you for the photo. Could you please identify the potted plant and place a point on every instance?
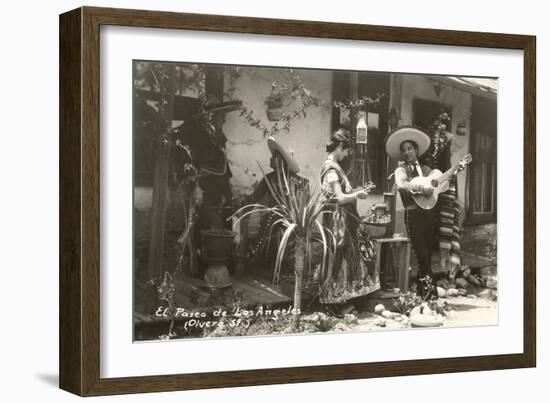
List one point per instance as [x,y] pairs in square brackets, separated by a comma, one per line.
[440,134]
[274,105]
[217,249]
[377,222]
[299,214]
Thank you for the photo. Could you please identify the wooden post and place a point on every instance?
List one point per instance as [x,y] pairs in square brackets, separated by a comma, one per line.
[395,107]
[354,96]
[189,242]
[160,176]
[378,264]
[403,278]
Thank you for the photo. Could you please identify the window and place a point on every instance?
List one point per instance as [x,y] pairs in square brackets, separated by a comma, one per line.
[425,112]
[483,171]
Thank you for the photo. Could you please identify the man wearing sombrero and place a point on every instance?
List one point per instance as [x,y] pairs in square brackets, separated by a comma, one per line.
[282,161]
[406,144]
[284,166]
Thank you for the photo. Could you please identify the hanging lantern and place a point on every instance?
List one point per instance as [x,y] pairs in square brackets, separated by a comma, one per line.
[361,130]
[461,128]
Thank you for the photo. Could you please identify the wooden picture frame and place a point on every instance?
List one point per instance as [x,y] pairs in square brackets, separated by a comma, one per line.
[79,346]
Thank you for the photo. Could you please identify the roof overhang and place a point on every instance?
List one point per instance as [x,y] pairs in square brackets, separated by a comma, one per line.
[485,87]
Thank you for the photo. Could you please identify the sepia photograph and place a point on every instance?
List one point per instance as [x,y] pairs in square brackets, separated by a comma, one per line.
[277,200]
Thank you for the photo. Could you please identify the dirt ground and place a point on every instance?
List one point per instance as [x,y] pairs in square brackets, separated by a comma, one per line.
[466,301]
[462,311]
[468,307]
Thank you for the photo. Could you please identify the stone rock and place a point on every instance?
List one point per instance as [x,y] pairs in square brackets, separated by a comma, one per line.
[441,292]
[426,320]
[389,315]
[379,309]
[425,309]
[350,319]
[381,322]
[402,319]
[347,309]
[452,292]
[364,321]
[487,271]
[422,309]
[314,317]
[415,311]
[489,294]
[451,314]
[443,283]
[492,282]
[461,282]
[340,327]
[472,279]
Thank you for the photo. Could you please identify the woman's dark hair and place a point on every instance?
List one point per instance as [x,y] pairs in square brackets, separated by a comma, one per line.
[340,136]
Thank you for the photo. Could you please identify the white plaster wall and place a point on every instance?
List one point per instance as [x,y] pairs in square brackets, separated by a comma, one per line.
[247,146]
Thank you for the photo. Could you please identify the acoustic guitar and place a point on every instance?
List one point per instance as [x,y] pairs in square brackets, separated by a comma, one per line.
[438,181]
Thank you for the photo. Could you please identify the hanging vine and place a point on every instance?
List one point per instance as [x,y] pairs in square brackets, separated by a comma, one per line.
[441,136]
[292,91]
[360,104]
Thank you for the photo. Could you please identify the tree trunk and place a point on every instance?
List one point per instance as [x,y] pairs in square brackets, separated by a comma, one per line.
[190,222]
[160,178]
[299,262]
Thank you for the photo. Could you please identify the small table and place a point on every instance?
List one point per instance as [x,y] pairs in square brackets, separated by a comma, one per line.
[397,253]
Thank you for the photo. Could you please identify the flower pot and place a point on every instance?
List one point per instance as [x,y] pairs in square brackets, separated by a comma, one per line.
[218,247]
[275,114]
[217,276]
[376,230]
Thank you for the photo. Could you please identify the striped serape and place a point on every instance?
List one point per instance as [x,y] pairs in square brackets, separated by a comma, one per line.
[449,227]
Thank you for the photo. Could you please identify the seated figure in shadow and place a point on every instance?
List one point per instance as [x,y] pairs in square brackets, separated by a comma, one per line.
[261,250]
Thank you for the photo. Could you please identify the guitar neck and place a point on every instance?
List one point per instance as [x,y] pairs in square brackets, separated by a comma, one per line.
[449,173]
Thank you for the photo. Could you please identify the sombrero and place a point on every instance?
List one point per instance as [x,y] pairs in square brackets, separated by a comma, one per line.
[287,155]
[406,133]
[213,104]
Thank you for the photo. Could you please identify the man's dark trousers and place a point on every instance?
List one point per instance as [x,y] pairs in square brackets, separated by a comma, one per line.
[420,227]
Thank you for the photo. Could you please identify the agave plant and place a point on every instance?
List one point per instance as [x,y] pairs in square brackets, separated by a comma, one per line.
[299,214]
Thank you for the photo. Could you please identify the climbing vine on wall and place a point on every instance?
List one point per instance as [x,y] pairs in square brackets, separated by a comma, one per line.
[360,104]
[291,91]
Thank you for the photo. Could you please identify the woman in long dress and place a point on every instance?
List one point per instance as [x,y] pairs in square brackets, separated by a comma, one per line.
[352,272]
